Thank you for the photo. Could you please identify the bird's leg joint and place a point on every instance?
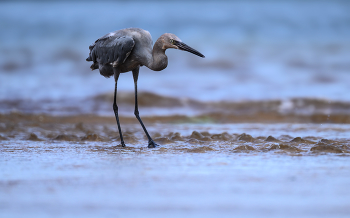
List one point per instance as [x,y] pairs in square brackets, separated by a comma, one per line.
[115,108]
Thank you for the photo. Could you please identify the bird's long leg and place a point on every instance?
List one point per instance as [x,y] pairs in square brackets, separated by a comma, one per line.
[115,107]
[151,143]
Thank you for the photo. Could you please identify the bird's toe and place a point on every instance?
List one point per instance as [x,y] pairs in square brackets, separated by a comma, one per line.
[152,144]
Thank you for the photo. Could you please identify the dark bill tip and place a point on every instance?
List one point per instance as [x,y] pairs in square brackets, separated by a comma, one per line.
[184,47]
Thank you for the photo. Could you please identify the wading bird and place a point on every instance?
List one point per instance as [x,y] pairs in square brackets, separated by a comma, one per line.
[127,50]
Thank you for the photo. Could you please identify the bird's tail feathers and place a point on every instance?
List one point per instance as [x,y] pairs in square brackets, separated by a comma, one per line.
[94,66]
[106,70]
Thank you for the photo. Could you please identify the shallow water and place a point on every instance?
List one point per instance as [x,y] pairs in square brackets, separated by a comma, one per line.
[195,177]
[74,166]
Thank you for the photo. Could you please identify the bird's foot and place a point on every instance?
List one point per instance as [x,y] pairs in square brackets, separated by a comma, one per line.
[152,144]
[122,144]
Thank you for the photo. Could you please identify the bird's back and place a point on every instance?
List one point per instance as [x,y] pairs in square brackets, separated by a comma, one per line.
[124,49]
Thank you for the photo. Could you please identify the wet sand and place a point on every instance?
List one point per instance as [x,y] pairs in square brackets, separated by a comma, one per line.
[74,167]
[179,132]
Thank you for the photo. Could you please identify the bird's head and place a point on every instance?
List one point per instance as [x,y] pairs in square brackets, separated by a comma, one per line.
[172,41]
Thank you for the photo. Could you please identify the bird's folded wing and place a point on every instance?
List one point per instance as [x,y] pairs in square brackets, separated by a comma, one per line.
[112,49]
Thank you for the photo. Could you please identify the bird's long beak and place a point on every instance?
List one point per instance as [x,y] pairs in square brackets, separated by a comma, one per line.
[184,47]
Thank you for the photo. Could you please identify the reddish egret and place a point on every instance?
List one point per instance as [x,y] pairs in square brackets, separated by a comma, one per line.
[127,50]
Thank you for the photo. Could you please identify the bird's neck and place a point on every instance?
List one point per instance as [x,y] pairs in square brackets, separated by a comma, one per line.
[159,60]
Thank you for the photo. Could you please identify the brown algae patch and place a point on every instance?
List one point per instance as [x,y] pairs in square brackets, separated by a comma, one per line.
[222,137]
[202,149]
[326,148]
[206,133]
[285,138]
[192,138]
[284,147]
[329,146]
[271,139]
[93,137]
[33,137]
[129,138]
[244,148]
[199,136]
[194,142]
[82,127]
[2,138]
[245,137]
[163,140]
[64,137]
[177,137]
[300,140]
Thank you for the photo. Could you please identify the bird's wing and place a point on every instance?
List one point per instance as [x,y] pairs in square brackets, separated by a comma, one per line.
[111,48]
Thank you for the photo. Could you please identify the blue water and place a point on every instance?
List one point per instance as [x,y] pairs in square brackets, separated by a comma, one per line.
[255,50]
[64,179]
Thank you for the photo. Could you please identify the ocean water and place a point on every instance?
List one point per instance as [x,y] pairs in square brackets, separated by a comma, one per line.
[255,50]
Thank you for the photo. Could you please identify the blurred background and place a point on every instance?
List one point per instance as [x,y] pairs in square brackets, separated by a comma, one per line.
[293,52]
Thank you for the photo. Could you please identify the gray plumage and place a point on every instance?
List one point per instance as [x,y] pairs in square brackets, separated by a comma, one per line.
[127,50]
[112,49]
